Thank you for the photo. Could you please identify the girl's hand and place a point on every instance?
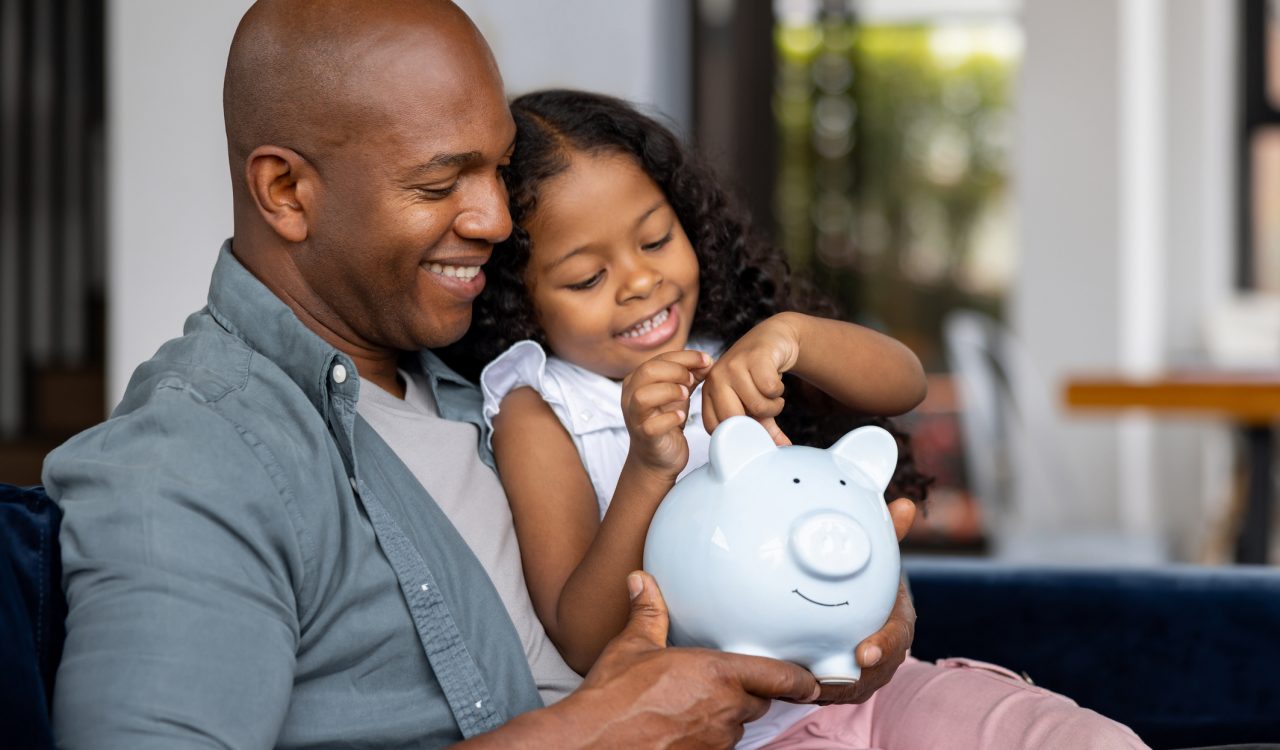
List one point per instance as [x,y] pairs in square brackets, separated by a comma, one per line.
[747,379]
[655,403]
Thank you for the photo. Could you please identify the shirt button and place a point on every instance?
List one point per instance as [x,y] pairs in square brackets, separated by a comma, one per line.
[353,483]
[339,374]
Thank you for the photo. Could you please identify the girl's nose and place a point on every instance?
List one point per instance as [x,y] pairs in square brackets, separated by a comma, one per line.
[639,282]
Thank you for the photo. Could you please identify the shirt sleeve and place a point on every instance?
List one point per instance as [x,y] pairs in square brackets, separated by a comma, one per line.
[180,558]
[524,364]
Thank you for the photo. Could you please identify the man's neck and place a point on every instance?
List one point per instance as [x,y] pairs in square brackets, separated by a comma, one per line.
[375,364]
[382,373]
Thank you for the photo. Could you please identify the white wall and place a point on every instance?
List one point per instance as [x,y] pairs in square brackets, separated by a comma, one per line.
[169,204]
[1104,269]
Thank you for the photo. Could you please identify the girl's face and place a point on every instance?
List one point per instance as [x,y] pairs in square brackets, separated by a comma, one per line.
[613,278]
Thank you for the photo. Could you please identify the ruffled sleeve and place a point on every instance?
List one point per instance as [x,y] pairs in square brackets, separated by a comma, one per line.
[524,364]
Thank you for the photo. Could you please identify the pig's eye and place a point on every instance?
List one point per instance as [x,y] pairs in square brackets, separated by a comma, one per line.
[842,482]
[796,480]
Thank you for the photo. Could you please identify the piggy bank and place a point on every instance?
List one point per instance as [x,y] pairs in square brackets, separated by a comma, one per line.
[787,552]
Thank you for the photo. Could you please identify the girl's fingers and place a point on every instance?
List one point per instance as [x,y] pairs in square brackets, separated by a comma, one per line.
[657,395]
[709,418]
[658,371]
[662,423]
[724,401]
[767,380]
[775,432]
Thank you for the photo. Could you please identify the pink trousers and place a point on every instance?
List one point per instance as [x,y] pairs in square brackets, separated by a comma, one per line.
[956,704]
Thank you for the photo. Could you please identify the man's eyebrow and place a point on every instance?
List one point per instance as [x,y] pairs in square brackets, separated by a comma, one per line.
[444,161]
[460,160]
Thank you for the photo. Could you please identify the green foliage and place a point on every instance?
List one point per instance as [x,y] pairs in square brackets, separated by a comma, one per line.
[891,226]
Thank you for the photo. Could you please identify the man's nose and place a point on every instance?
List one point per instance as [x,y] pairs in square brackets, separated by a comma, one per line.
[486,216]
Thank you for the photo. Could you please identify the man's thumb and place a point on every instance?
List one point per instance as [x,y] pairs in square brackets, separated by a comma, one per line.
[648,618]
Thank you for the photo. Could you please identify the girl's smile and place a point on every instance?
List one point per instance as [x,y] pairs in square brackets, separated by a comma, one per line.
[611,273]
[653,331]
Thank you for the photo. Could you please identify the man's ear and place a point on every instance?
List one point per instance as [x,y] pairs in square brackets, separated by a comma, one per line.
[281,182]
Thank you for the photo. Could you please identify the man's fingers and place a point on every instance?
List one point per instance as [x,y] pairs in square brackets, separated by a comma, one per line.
[903,512]
[771,678]
[648,619]
[889,644]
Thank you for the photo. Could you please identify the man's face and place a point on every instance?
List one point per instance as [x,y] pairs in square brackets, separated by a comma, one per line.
[412,202]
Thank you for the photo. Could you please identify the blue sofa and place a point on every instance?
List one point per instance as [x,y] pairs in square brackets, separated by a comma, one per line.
[32,614]
[1186,656]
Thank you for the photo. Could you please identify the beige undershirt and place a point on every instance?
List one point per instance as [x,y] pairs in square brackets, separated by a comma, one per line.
[442,455]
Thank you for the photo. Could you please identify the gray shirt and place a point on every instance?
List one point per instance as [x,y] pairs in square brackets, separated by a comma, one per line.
[247,564]
[441,453]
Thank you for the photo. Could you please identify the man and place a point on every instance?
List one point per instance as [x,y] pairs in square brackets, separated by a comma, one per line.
[255,555]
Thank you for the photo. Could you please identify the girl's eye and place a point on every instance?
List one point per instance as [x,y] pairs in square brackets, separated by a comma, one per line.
[588,283]
[658,244]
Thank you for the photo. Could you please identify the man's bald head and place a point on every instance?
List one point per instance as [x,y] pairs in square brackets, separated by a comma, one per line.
[304,74]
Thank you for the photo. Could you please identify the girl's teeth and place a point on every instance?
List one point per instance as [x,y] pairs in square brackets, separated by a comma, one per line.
[644,327]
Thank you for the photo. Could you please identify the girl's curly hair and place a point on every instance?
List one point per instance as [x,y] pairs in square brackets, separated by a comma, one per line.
[743,279]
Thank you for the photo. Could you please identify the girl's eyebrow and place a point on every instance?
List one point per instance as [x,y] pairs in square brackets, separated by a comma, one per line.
[662,202]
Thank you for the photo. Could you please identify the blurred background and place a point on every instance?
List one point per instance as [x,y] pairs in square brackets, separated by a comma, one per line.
[1067,208]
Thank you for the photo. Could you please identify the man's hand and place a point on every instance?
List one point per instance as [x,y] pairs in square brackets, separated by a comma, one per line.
[882,652]
[642,694]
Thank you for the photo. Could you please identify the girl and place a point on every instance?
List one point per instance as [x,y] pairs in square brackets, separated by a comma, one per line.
[664,317]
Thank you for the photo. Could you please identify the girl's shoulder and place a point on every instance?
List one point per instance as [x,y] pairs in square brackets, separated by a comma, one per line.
[582,400]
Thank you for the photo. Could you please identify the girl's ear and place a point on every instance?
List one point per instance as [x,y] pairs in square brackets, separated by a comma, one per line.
[282,183]
[737,442]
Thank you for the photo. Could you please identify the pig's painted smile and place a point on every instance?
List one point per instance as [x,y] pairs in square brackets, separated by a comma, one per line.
[820,604]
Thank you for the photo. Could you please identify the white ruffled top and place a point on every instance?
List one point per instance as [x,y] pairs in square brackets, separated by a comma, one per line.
[588,405]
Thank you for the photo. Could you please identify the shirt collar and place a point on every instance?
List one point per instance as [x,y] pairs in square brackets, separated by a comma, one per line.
[250,311]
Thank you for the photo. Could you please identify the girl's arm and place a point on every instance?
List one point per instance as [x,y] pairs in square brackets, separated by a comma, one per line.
[866,371]
[576,565]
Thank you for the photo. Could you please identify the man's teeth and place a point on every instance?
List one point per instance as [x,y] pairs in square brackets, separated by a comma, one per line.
[643,327]
[460,272]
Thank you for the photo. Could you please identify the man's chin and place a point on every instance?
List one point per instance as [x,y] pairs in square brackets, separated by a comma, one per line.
[441,333]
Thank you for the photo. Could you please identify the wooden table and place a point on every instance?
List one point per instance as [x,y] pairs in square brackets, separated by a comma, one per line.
[1250,400]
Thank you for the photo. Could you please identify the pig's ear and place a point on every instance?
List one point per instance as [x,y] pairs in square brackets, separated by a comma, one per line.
[872,450]
[737,442]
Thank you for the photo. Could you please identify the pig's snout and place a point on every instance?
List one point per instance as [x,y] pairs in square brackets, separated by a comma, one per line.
[830,545]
